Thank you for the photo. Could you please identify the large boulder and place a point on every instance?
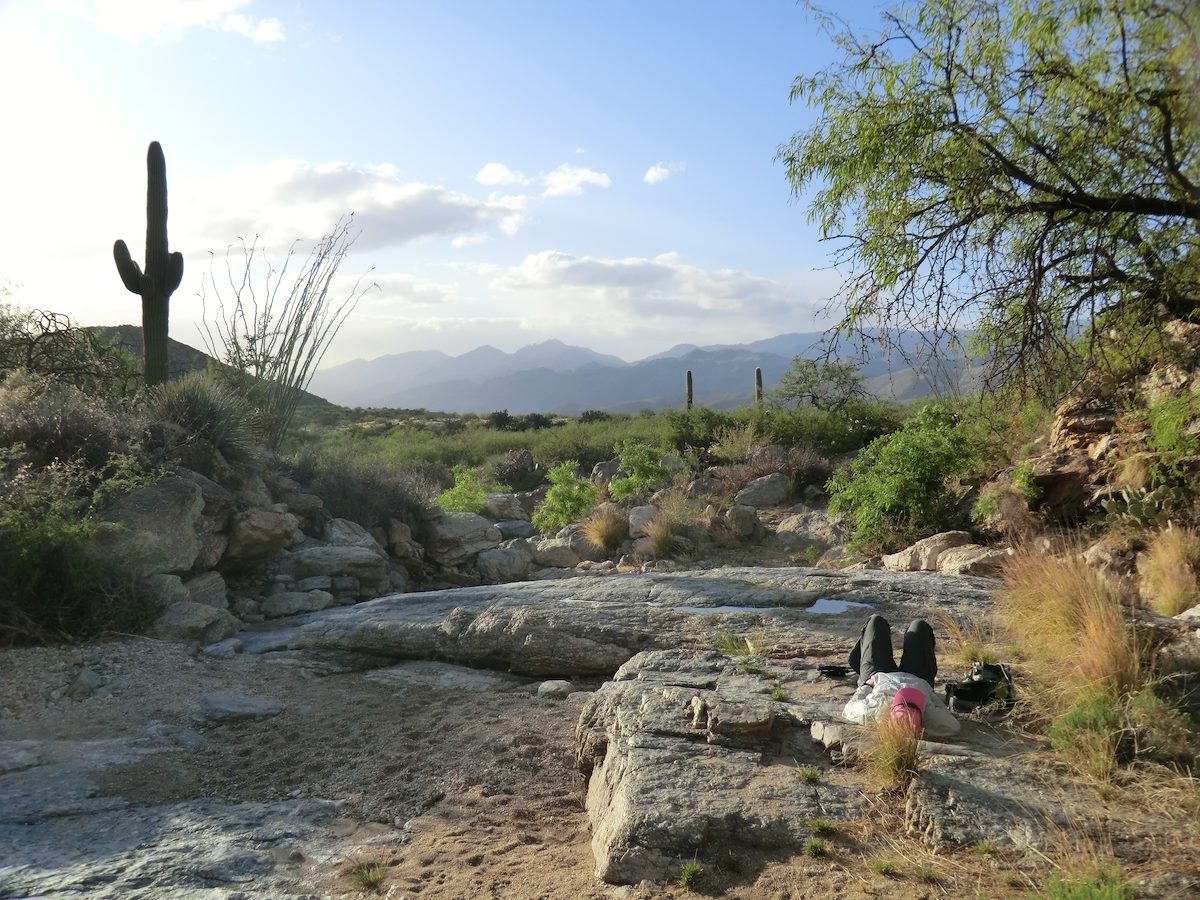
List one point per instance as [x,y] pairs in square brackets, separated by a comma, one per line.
[923,555]
[604,472]
[258,532]
[770,490]
[743,521]
[972,559]
[516,528]
[455,537]
[153,529]
[345,533]
[187,621]
[1080,423]
[640,518]
[366,565]
[1062,479]
[500,507]
[504,564]
[555,553]
[208,588]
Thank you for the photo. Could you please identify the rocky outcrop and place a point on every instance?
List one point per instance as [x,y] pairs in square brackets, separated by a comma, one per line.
[259,532]
[153,529]
[499,507]
[923,555]
[972,559]
[770,490]
[455,537]
[555,553]
[188,621]
[505,563]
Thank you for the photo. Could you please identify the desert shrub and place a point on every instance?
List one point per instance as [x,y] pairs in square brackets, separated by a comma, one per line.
[1023,483]
[694,428]
[1170,571]
[736,442]
[641,471]
[500,420]
[51,587]
[896,491]
[515,468]
[661,541]
[1102,884]
[680,510]
[56,421]
[533,422]
[367,489]
[46,344]
[606,528]
[892,752]
[594,415]
[468,492]
[208,410]
[1171,437]
[832,432]
[568,499]
[1089,734]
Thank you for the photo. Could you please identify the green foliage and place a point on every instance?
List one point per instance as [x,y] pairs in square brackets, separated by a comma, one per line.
[1089,734]
[808,774]
[821,827]
[1102,884]
[849,428]
[368,876]
[1170,437]
[780,695]
[1023,482]
[594,415]
[366,489]
[896,491]
[985,507]
[468,492]
[884,867]
[1015,167]
[815,848]
[925,874]
[568,500]
[208,411]
[52,587]
[641,471]
[820,384]
[690,874]
[694,428]
[46,344]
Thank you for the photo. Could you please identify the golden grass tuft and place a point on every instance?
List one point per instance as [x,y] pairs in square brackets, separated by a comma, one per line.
[735,443]
[973,641]
[606,528]
[660,537]
[680,510]
[1067,619]
[1170,571]
[892,752]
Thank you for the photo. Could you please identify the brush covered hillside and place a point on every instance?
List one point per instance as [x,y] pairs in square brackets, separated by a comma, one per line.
[556,377]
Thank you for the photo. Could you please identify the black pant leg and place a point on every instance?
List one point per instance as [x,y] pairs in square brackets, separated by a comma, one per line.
[873,651]
[919,656]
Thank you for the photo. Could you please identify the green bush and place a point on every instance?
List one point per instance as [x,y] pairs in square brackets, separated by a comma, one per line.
[641,471]
[52,588]
[896,491]
[1089,734]
[695,428]
[366,489]
[210,411]
[56,421]
[849,428]
[1170,436]
[1102,884]
[468,492]
[1022,480]
[568,500]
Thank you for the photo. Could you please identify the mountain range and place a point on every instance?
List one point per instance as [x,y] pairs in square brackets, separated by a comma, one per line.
[552,376]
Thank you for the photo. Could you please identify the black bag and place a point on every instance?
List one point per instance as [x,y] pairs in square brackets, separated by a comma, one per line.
[985,683]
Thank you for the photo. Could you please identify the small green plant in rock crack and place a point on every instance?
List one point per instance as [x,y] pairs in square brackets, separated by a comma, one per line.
[883,867]
[780,694]
[821,827]
[815,848]
[985,847]
[749,668]
[368,876]
[689,875]
[925,874]
[808,774]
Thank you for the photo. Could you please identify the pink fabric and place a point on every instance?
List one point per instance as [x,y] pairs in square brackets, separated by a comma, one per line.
[909,703]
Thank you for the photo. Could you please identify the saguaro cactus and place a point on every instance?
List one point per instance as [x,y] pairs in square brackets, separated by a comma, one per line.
[689,388]
[758,393]
[163,272]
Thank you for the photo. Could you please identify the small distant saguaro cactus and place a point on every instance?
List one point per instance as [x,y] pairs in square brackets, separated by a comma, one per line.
[689,388]
[163,272]
[758,393]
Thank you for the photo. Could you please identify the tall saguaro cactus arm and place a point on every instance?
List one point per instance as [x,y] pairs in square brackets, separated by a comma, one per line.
[163,272]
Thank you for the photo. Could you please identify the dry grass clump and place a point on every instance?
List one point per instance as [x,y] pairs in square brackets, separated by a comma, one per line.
[606,528]
[678,509]
[973,641]
[660,537]
[1170,571]
[892,752]
[1068,620]
[735,443]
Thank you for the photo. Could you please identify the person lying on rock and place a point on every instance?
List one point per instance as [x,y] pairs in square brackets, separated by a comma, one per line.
[904,691]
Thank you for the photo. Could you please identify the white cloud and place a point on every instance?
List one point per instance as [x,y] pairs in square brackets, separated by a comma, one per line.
[132,20]
[306,198]
[649,288]
[399,291]
[568,180]
[661,171]
[495,174]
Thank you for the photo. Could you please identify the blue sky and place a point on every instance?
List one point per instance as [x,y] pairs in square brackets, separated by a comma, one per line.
[598,172]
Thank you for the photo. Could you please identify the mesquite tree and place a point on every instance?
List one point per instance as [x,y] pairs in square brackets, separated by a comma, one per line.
[163,271]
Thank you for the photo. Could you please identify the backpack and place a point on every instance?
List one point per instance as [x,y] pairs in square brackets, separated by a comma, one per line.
[985,683]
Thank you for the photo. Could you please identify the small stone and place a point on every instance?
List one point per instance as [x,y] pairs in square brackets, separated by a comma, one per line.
[223,708]
[555,690]
[85,684]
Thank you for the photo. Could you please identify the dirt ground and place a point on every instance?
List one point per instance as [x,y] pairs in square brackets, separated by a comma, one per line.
[456,793]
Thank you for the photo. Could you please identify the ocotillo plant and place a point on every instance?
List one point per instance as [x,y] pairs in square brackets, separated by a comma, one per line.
[758,394]
[163,272]
[689,388]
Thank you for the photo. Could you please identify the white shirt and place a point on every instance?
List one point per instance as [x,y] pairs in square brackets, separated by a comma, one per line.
[873,700]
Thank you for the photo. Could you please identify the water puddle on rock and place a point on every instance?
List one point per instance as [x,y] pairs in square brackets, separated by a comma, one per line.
[827,606]
[716,610]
